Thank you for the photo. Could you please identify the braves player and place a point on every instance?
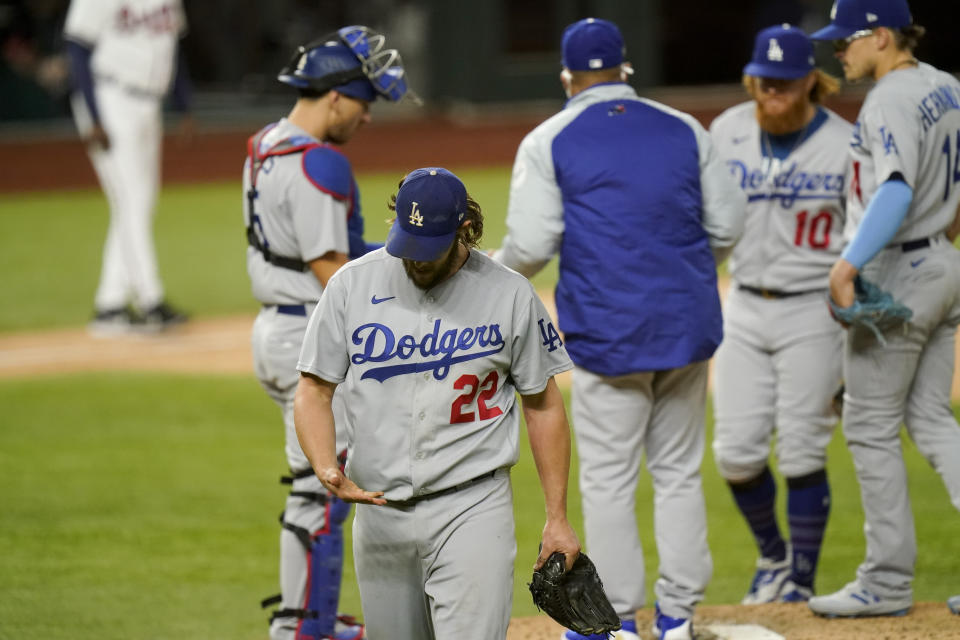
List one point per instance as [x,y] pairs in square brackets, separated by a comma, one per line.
[634,197]
[904,194]
[123,56]
[778,367]
[303,220]
[428,341]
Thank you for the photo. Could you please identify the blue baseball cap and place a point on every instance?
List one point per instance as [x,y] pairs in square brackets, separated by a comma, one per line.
[849,16]
[782,51]
[430,207]
[592,44]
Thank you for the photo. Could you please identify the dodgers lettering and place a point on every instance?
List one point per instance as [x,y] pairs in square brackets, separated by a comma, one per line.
[938,102]
[380,344]
[795,184]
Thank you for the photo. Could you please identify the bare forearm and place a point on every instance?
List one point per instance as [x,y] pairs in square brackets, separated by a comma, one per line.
[549,435]
[313,417]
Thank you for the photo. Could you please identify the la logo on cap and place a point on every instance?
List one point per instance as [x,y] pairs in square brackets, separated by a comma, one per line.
[774,52]
[415,218]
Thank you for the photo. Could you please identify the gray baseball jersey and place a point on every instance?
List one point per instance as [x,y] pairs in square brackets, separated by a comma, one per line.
[779,363]
[909,123]
[428,379]
[794,223]
[302,220]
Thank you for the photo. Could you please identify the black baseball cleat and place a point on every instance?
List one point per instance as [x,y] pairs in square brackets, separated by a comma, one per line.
[114,322]
[163,317]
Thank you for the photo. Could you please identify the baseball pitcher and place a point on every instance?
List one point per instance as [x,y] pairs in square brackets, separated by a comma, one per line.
[428,342]
[123,59]
[902,197]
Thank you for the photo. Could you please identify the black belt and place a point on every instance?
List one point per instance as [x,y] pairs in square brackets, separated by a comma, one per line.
[436,494]
[289,309]
[913,245]
[772,294]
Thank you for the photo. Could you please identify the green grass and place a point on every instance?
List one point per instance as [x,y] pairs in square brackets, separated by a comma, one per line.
[50,248]
[144,506]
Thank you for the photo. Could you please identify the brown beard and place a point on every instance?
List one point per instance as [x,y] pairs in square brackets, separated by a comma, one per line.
[441,273]
[791,121]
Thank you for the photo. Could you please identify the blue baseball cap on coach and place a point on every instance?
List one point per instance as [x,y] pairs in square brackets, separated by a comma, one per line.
[849,16]
[781,52]
[592,44]
[430,207]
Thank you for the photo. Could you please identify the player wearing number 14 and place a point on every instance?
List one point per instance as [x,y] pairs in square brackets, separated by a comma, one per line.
[778,367]
[901,203]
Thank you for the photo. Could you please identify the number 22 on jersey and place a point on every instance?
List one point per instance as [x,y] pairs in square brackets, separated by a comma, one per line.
[462,408]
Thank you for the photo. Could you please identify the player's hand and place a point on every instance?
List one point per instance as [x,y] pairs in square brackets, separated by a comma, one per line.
[842,292]
[347,490]
[558,535]
[97,137]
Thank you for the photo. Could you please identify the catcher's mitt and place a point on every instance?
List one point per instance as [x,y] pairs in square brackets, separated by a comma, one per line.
[873,308]
[574,598]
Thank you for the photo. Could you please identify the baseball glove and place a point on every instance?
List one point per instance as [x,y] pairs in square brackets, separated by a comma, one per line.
[873,308]
[574,598]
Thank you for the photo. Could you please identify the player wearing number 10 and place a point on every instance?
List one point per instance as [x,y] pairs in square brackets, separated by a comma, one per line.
[779,365]
[430,341]
[901,201]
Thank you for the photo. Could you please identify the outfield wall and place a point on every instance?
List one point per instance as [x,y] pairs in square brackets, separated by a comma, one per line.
[53,158]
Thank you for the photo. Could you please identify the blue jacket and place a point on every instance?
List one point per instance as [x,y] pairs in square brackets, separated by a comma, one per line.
[638,206]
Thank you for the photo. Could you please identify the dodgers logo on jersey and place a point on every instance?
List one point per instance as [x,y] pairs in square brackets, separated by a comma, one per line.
[379,344]
[789,185]
[889,145]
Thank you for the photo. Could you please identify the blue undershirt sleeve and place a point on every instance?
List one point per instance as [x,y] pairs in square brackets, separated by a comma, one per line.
[79,58]
[182,94]
[884,215]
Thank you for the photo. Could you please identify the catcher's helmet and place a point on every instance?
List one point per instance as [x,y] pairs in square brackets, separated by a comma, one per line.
[353,61]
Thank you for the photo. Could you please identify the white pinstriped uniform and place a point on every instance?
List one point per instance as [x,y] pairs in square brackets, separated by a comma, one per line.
[134,46]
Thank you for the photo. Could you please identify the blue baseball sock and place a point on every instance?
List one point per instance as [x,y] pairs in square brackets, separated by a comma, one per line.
[757,500]
[808,505]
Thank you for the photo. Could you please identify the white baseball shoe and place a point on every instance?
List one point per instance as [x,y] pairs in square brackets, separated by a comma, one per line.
[793,592]
[954,604]
[855,600]
[668,628]
[768,580]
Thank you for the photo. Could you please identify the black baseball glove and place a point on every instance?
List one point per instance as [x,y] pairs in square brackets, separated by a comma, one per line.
[574,598]
[873,308]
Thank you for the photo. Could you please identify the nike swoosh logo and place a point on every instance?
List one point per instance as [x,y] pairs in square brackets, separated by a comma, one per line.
[376,300]
[916,263]
[739,140]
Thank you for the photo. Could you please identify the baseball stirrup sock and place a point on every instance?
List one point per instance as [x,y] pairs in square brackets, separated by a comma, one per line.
[808,505]
[757,501]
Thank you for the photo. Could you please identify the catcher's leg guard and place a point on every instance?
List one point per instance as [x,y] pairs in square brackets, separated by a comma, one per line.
[311,566]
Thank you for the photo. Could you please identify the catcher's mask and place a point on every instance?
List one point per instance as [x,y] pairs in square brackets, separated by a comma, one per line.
[353,61]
